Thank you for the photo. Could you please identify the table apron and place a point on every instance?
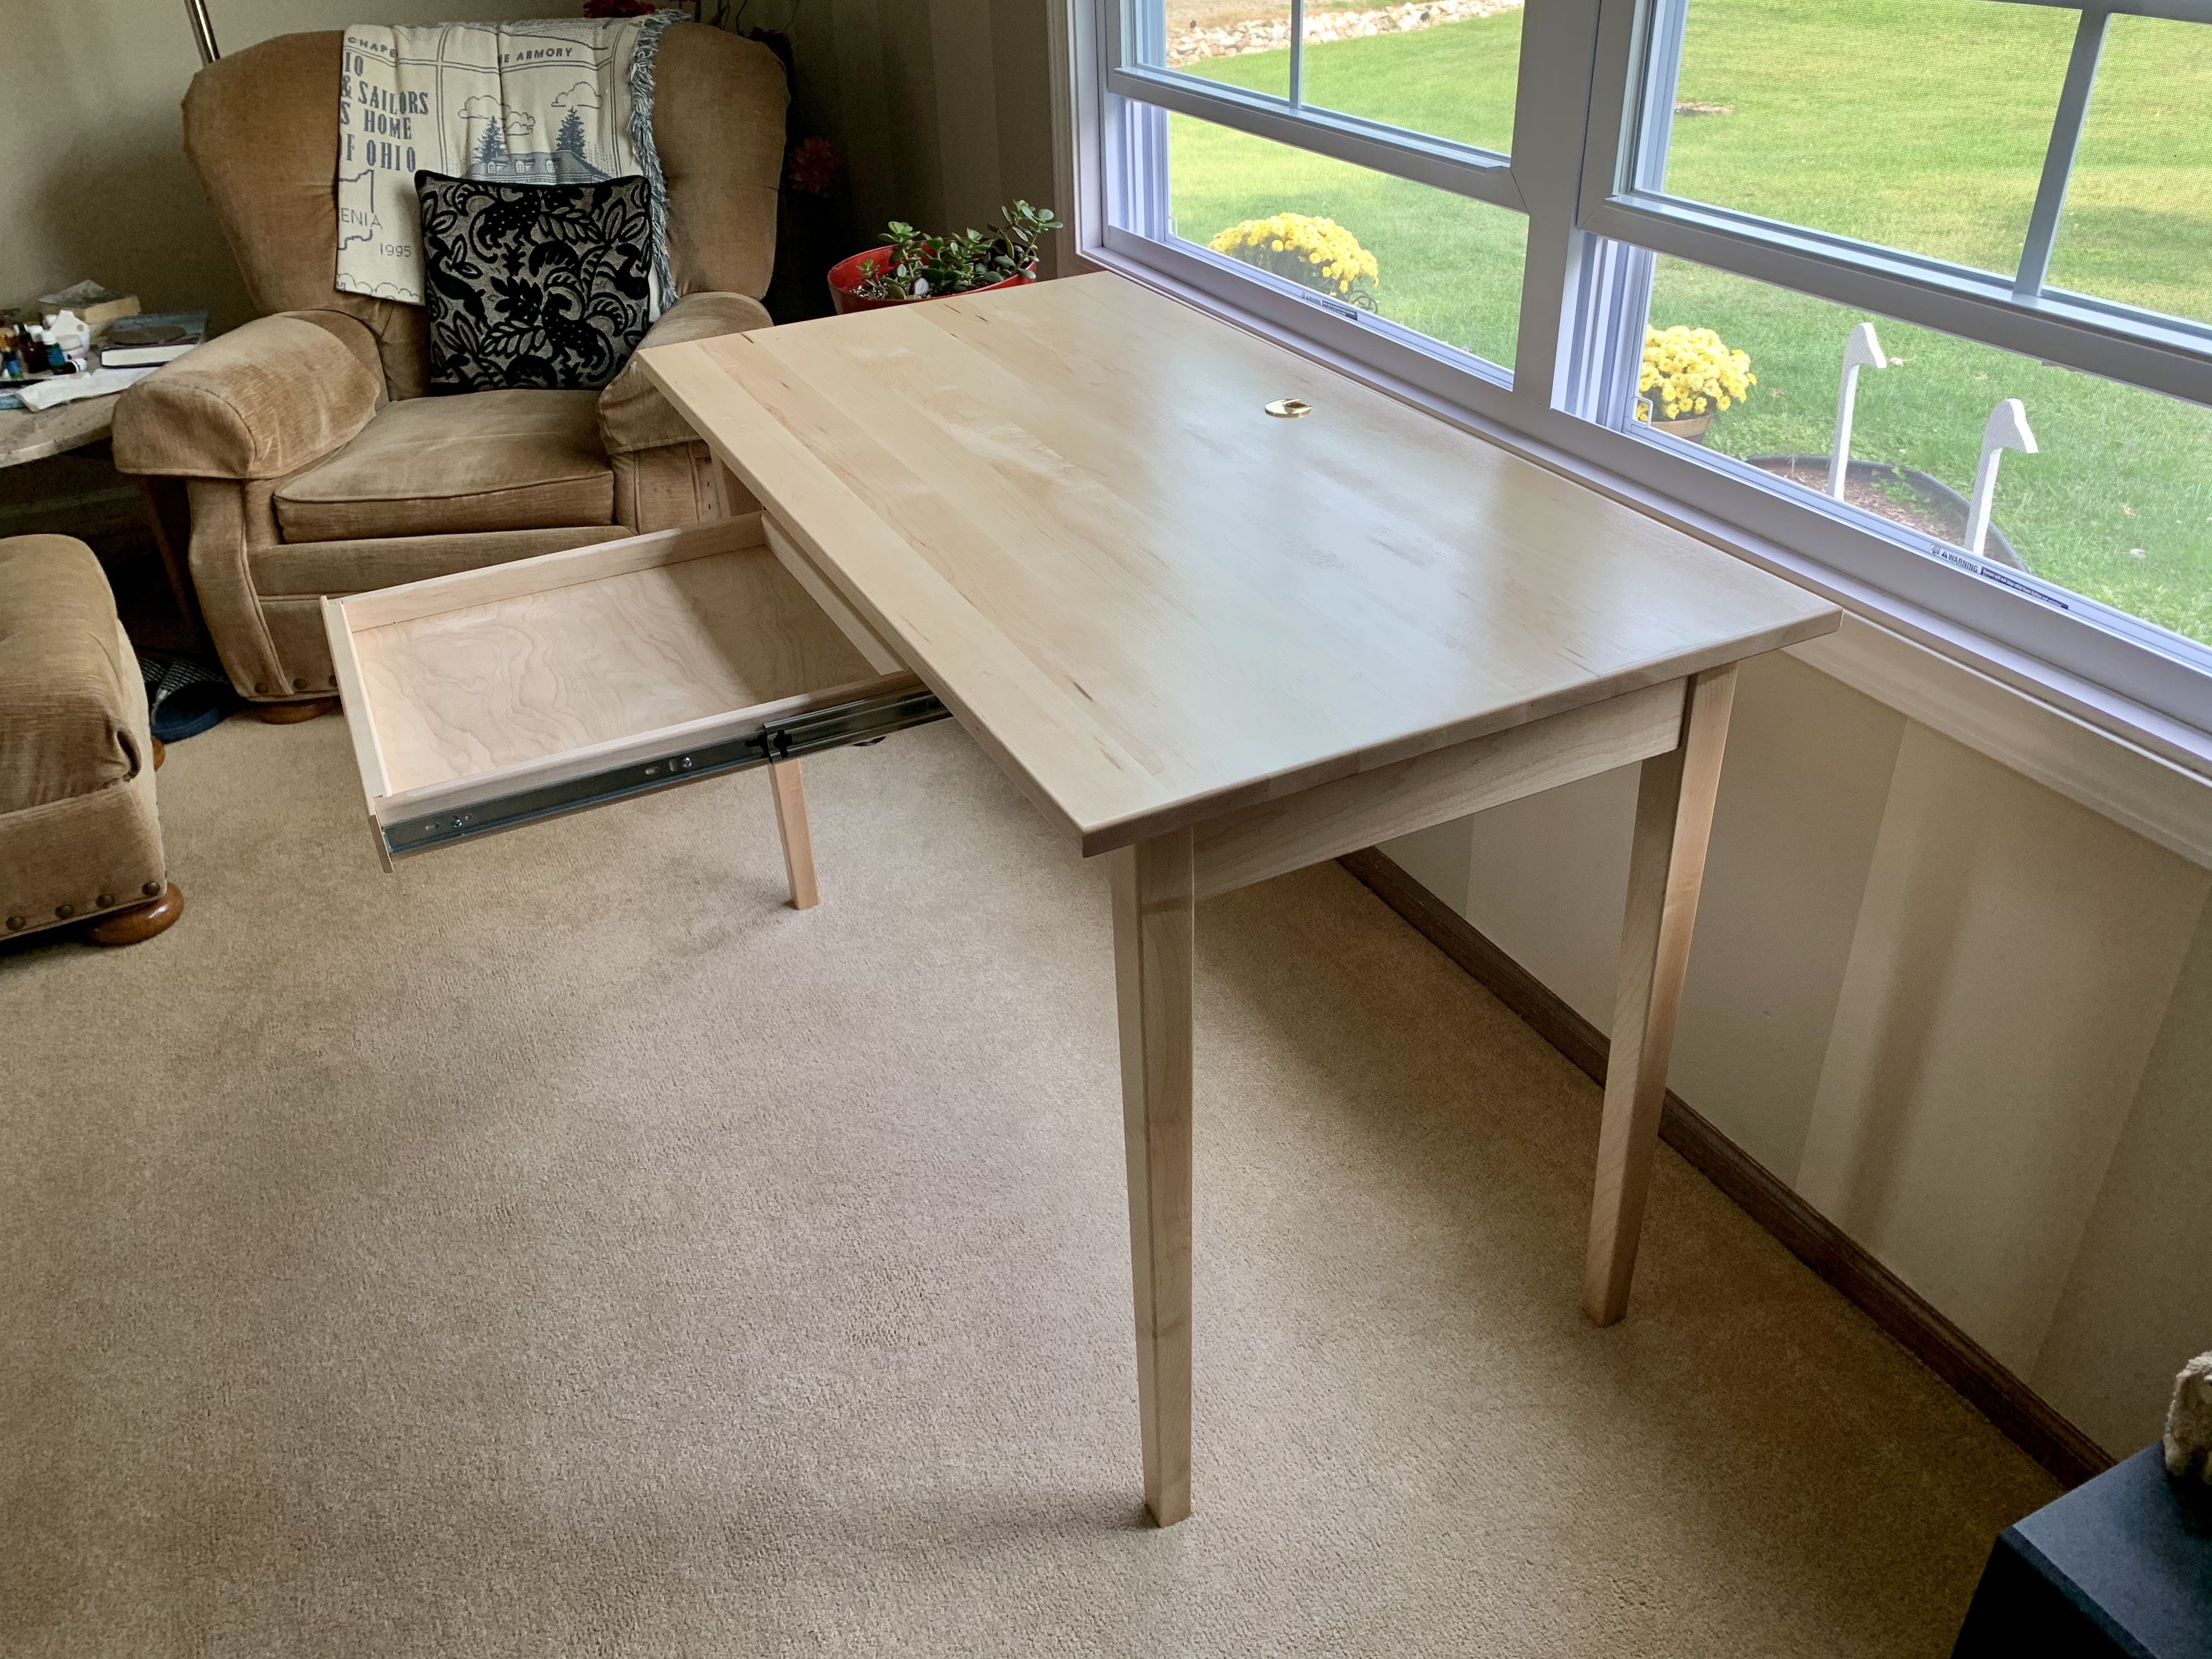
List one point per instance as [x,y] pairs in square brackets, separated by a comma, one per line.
[1272,838]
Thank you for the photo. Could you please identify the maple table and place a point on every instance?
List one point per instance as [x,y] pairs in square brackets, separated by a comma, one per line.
[1215,643]
[1213,638]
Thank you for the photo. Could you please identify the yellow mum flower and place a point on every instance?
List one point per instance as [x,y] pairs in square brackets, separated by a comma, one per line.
[1693,371]
[1314,252]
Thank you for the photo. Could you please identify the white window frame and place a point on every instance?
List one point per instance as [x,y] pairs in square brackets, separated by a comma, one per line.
[2018,312]
[1571,173]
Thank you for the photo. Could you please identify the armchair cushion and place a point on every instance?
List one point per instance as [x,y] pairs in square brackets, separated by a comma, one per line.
[259,401]
[475,461]
[633,415]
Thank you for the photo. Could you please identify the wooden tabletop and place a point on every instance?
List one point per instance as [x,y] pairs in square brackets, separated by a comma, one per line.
[32,434]
[1068,506]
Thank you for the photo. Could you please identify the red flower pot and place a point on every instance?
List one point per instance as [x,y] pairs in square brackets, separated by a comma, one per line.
[845,277]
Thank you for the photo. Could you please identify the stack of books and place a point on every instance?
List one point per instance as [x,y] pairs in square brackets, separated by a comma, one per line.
[114,343]
[155,338]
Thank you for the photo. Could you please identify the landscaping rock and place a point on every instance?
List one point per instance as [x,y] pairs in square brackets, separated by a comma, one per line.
[1191,45]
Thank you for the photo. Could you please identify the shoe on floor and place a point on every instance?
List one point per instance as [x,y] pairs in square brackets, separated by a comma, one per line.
[184,698]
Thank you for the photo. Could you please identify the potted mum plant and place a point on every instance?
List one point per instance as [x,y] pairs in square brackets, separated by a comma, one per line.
[1689,375]
[1316,253]
[914,265]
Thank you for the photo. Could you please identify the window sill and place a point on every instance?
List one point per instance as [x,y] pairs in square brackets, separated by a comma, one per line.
[2143,770]
[2097,768]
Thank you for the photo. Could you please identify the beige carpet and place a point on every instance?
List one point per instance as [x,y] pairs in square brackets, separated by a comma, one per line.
[561,1248]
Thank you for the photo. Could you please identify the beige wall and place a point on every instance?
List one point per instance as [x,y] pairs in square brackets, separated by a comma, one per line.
[942,107]
[1967,1019]
[92,179]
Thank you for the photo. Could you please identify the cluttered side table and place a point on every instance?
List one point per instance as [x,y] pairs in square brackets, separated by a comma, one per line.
[28,435]
[38,434]
[33,435]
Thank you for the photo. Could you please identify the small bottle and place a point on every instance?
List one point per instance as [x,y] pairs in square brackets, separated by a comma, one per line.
[73,340]
[47,355]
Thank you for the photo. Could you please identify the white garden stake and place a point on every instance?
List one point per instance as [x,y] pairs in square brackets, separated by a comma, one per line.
[2008,430]
[1861,352]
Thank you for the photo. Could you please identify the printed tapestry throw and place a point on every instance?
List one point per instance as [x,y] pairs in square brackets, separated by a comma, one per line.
[556,101]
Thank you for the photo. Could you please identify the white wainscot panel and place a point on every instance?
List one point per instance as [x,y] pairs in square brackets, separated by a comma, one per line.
[1547,878]
[1799,812]
[2139,1302]
[1438,858]
[2013,960]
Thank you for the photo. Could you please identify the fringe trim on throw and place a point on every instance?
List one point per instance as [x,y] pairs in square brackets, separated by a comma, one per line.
[648,158]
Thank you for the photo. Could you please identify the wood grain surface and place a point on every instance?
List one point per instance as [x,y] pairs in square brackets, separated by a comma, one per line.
[536,674]
[786,782]
[1666,872]
[1254,842]
[1064,506]
[1153,962]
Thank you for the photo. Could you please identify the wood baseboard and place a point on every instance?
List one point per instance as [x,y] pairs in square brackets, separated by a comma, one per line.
[2022,1414]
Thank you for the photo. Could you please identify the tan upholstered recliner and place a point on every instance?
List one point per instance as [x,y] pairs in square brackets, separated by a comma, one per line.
[315,464]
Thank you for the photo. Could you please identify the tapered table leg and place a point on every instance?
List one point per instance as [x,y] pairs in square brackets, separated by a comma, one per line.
[789,787]
[1152,897]
[1674,818]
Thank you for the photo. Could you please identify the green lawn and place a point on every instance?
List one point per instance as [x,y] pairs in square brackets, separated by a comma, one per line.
[1919,124]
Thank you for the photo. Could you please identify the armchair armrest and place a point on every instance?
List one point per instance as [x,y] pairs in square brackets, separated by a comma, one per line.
[633,415]
[260,401]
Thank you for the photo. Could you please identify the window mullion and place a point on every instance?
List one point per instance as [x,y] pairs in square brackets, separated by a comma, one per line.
[2058,159]
[1606,361]
[1297,52]
[2078,336]
[1551,113]
[1347,138]
[1663,79]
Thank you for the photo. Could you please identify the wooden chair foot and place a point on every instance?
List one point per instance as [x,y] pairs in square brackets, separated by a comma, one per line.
[291,713]
[140,922]
[789,788]
[161,753]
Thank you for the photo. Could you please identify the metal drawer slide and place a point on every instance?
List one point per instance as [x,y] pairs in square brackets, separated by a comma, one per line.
[862,720]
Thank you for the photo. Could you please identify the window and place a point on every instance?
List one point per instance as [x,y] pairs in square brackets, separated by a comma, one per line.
[2137,225]
[1919,126]
[1349,171]
[2093,489]
[2016,195]
[1442,268]
[1454,82]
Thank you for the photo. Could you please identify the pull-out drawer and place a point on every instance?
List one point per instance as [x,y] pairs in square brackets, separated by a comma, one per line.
[490,699]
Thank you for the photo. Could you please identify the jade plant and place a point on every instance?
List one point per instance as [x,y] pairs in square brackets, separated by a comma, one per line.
[921,265]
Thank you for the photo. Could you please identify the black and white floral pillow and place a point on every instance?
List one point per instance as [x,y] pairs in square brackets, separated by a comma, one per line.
[533,285]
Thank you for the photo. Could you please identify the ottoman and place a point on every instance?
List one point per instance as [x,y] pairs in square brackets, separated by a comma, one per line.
[79,841]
